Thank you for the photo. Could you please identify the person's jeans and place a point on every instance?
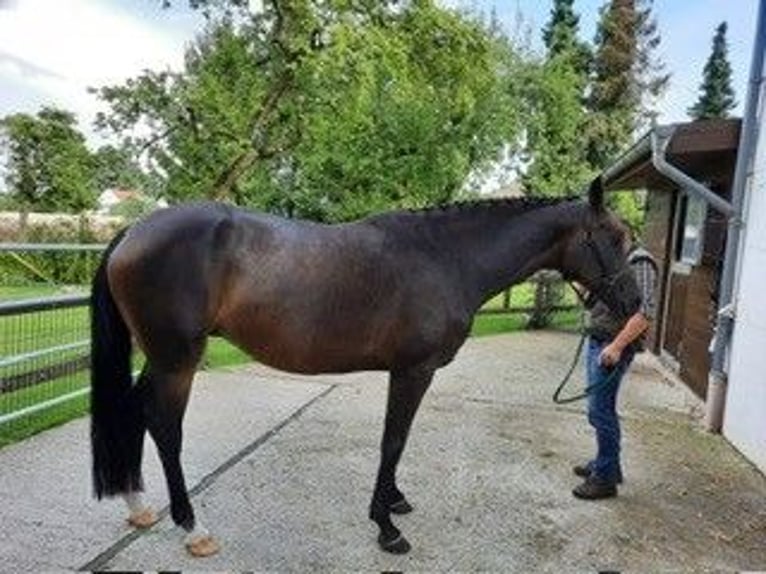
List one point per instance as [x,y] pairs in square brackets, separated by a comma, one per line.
[602,410]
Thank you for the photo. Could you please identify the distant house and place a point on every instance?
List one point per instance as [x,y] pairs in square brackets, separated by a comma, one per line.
[112,197]
[514,188]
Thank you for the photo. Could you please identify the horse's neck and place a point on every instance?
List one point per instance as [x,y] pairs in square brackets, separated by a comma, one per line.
[498,252]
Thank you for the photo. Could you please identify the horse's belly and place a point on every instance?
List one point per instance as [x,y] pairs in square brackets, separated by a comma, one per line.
[307,351]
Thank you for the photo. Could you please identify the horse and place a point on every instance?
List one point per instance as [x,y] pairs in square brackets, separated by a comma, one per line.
[395,291]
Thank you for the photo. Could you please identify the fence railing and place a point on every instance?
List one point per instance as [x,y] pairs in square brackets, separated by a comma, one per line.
[45,345]
[45,353]
[44,334]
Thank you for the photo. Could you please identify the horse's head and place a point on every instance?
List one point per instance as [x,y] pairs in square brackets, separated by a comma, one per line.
[595,255]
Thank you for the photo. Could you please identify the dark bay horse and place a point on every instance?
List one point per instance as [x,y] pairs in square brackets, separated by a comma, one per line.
[394,292]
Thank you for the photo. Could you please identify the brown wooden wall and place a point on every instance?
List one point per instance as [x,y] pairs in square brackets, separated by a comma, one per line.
[657,238]
[693,355]
[686,300]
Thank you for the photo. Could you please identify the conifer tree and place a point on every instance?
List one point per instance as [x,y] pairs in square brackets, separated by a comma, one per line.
[626,76]
[717,95]
[560,35]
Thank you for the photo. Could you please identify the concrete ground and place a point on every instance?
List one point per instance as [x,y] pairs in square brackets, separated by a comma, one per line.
[282,469]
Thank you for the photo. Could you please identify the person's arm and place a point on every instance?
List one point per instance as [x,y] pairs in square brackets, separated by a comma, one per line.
[638,322]
[632,330]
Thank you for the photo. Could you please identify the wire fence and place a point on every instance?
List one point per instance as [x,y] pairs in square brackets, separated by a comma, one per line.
[44,335]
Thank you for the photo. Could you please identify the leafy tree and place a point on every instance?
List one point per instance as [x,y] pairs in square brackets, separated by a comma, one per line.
[555,131]
[717,95]
[557,116]
[48,165]
[116,167]
[327,110]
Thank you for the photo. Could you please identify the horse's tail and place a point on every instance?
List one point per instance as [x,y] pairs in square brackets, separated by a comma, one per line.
[117,425]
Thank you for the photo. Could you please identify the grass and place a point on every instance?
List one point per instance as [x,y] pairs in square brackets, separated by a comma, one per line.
[14,293]
[72,325]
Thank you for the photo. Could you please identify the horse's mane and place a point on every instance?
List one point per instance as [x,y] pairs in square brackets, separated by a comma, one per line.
[511,206]
[596,193]
[506,206]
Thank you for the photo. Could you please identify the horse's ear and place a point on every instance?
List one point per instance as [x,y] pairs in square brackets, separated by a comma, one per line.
[596,194]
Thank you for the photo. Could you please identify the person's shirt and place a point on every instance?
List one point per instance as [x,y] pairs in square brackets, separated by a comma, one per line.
[645,270]
[604,325]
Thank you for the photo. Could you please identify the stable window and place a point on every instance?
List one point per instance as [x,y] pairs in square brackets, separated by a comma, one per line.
[693,211]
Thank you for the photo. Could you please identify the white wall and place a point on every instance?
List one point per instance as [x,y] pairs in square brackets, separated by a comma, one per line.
[745,417]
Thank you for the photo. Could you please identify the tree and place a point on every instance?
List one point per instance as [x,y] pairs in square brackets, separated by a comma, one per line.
[116,167]
[325,110]
[554,94]
[626,77]
[555,148]
[48,165]
[717,95]
[560,35]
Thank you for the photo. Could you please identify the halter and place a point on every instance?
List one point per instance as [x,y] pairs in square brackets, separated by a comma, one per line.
[605,279]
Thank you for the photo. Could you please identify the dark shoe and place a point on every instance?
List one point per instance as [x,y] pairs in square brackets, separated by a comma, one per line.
[595,488]
[582,470]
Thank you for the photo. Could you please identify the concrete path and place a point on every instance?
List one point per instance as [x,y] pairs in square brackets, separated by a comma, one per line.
[282,468]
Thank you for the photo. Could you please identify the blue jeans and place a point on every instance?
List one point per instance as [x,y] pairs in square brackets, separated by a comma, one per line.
[602,410]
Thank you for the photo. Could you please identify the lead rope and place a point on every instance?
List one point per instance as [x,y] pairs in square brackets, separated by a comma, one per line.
[590,388]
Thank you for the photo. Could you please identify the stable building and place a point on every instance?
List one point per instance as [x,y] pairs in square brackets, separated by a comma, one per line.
[685,235]
[705,185]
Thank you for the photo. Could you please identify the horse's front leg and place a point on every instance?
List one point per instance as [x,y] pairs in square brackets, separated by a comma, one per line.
[405,391]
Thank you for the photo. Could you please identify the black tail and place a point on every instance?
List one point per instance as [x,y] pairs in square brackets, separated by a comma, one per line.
[117,423]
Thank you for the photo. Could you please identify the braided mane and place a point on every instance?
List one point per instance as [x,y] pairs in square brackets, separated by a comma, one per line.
[508,206]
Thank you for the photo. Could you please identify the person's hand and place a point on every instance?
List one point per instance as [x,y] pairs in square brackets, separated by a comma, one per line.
[610,355]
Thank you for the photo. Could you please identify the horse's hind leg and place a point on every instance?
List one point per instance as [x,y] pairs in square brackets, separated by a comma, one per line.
[140,515]
[167,394]
[405,391]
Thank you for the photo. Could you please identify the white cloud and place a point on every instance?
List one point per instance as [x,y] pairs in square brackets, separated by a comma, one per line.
[51,51]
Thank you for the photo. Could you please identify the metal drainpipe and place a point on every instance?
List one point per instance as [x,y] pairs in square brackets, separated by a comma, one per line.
[660,139]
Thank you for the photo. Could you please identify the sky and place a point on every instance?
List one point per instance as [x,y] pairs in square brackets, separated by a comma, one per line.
[52,51]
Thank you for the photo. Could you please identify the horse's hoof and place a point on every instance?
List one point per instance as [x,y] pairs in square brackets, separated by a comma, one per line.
[204,546]
[401,507]
[144,519]
[398,545]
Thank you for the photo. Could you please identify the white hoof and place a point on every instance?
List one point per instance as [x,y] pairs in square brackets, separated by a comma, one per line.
[144,519]
[199,543]
[141,516]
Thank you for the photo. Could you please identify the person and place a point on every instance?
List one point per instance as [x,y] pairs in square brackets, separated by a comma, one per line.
[611,346]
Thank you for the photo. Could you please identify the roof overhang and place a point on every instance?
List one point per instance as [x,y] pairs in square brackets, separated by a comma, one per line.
[704,149]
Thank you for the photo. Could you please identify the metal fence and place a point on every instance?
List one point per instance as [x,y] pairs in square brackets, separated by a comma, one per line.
[44,354]
[44,335]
